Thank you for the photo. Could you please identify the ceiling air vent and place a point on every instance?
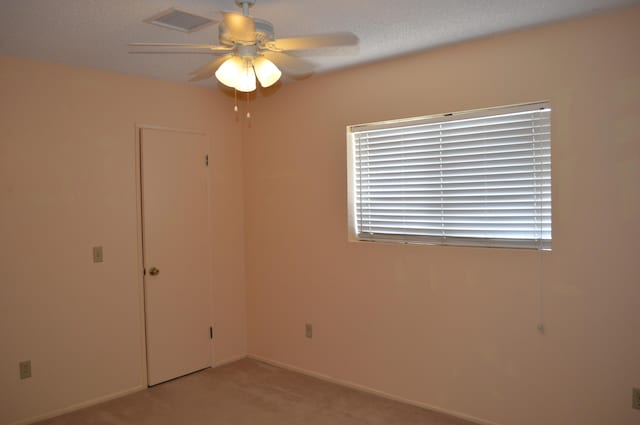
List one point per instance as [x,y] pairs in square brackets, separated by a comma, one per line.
[179,20]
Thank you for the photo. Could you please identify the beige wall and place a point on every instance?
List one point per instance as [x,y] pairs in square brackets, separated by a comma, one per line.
[448,327]
[452,327]
[67,183]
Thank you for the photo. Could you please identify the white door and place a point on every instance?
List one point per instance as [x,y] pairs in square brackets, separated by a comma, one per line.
[174,188]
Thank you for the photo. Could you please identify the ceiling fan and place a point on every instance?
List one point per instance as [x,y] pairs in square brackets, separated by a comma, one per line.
[248,50]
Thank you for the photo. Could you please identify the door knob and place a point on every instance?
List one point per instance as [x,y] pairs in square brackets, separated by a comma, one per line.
[154,271]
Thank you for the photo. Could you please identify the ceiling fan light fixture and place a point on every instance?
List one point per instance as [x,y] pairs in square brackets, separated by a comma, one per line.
[251,52]
[246,77]
[266,71]
[230,71]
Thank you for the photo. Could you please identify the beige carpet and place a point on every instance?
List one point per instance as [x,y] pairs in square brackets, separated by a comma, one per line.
[249,392]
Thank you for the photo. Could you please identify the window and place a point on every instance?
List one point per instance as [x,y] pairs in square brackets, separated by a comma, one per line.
[480,178]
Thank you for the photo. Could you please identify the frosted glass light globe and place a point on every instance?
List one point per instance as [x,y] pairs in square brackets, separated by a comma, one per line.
[229,71]
[266,71]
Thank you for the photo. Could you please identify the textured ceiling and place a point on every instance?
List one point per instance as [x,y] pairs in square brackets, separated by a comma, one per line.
[95,33]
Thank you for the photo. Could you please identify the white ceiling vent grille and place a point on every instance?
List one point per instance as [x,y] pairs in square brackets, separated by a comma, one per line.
[179,20]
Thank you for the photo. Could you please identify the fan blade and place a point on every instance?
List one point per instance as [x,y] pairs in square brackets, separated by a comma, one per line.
[314,41]
[289,64]
[207,70]
[242,28]
[174,52]
[183,46]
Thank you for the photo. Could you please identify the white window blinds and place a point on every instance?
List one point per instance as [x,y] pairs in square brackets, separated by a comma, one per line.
[480,178]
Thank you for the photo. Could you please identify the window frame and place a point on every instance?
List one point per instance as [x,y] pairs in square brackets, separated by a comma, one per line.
[352,130]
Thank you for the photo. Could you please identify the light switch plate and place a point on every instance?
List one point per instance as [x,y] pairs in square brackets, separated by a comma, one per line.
[97,254]
[25,369]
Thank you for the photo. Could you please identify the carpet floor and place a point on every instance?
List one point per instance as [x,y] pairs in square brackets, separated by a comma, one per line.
[248,392]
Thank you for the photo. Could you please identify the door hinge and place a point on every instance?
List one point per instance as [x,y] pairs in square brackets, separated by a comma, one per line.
[210,332]
[206,160]
[144,272]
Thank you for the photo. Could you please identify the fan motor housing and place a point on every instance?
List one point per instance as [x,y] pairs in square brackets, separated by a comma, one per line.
[264,33]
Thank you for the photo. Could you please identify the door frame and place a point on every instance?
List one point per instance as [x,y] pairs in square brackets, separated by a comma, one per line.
[144,370]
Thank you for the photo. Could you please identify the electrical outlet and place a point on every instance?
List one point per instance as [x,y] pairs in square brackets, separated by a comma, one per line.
[308,330]
[25,369]
[636,398]
[97,254]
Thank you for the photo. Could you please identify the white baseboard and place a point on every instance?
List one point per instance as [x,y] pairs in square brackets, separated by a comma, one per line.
[78,406]
[229,360]
[370,390]
[98,400]
[326,378]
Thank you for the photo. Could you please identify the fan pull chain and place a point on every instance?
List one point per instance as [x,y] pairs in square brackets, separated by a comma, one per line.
[248,102]
[235,95]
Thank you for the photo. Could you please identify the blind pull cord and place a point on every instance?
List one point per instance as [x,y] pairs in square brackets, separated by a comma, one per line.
[541,294]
